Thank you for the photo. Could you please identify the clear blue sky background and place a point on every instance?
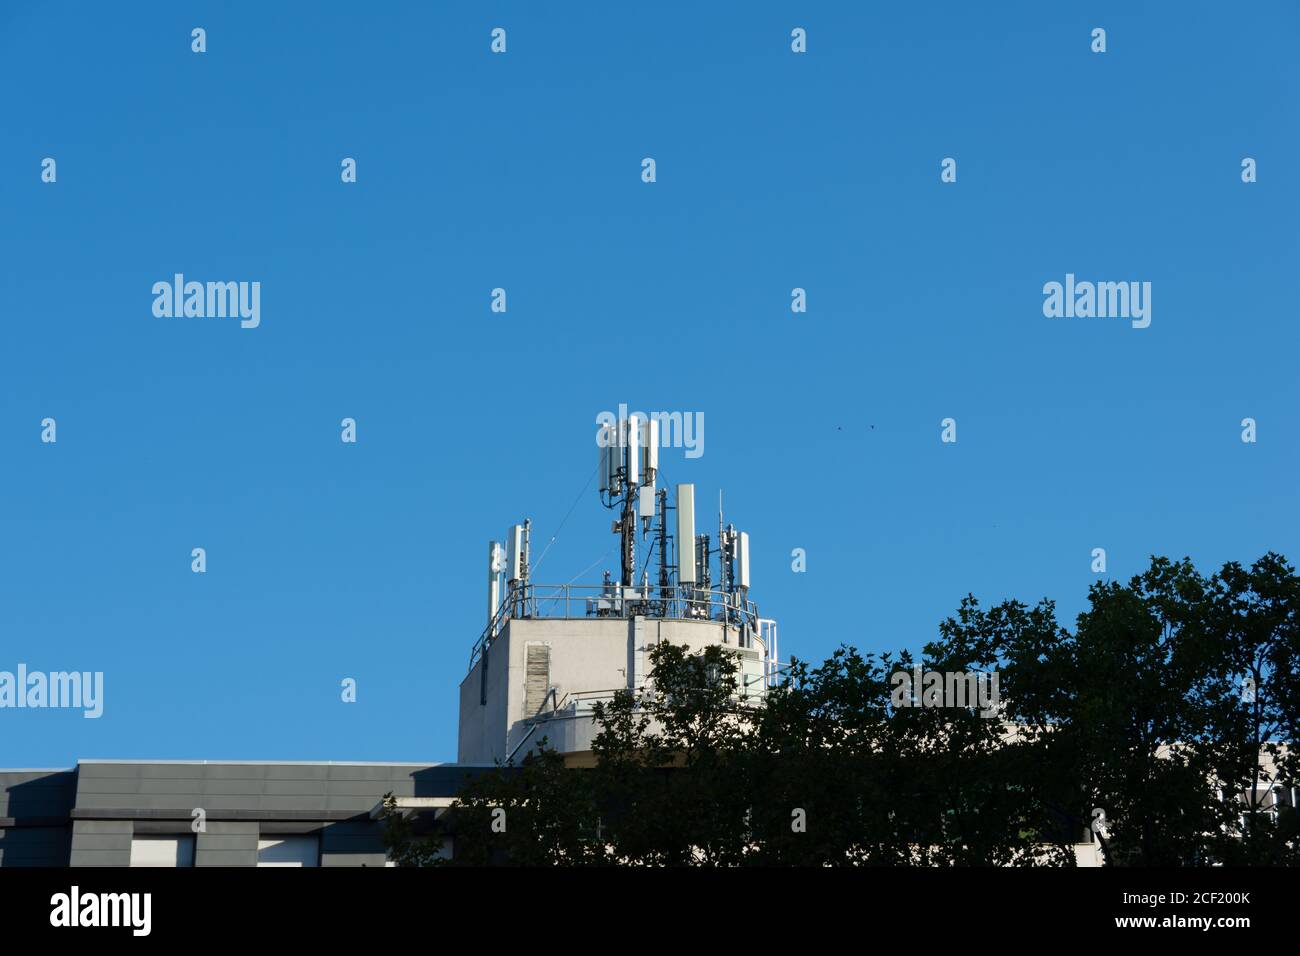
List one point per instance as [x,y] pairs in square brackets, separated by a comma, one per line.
[328,560]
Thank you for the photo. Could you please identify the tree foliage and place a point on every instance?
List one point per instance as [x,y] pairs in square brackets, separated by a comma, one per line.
[1165,708]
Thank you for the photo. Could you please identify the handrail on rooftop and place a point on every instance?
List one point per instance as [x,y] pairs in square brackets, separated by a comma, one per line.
[617,601]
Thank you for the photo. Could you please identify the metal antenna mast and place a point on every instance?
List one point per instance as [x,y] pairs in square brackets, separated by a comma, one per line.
[663,546]
[629,459]
[627,530]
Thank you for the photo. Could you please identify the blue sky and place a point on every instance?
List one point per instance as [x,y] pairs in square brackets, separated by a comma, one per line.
[522,171]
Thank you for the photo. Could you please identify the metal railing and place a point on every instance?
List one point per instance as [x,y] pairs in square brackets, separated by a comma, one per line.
[583,601]
[581,701]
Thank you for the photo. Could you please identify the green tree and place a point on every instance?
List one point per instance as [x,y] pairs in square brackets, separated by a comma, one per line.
[1139,712]
[406,844]
[1250,636]
[670,763]
[535,813]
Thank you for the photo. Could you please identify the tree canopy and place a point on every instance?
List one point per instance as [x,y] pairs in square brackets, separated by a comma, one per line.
[1157,722]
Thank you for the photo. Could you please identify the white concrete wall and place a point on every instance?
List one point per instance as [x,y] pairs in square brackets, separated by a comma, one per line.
[587,655]
[480,724]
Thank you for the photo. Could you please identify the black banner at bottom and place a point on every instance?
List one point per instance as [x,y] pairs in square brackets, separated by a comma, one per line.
[377,905]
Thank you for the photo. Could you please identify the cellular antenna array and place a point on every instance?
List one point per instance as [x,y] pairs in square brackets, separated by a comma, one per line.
[687,586]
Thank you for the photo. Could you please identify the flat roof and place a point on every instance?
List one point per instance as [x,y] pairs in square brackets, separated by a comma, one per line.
[298,763]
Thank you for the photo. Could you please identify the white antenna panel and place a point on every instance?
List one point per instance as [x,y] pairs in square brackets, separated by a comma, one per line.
[605,453]
[646,501]
[496,564]
[685,534]
[614,457]
[742,559]
[515,553]
[633,432]
[650,446]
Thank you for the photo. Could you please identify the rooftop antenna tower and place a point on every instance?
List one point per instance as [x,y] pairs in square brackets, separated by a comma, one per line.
[549,652]
[629,463]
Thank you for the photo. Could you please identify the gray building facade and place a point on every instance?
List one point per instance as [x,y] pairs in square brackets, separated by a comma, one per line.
[209,813]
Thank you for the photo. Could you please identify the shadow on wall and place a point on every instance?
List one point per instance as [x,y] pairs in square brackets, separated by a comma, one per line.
[35,817]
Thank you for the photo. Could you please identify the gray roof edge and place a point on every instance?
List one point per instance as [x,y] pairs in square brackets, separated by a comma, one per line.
[291,763]
[37,769]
